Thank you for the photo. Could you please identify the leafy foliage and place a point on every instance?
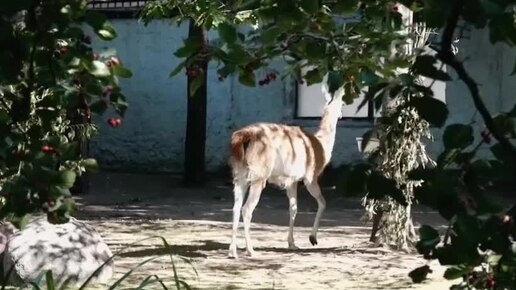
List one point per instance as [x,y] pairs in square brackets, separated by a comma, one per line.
[360,46]
[50,83]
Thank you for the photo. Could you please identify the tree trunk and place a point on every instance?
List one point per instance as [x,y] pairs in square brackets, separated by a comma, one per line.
[194,168]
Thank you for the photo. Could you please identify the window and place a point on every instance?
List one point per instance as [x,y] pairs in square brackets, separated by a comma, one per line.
[111,5]
[311,99]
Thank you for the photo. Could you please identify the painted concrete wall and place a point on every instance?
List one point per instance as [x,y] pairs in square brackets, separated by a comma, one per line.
[152,137]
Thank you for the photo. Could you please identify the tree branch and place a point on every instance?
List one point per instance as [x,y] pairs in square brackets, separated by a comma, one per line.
[446,55]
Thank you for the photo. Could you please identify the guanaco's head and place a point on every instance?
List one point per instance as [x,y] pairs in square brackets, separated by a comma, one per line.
[334,106]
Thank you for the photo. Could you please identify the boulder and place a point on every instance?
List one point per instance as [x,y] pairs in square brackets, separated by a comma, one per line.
[6,231]
[73,251]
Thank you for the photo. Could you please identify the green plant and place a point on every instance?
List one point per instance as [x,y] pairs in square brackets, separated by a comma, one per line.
[50,83]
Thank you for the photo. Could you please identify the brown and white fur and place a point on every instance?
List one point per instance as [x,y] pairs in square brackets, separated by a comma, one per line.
[282,155]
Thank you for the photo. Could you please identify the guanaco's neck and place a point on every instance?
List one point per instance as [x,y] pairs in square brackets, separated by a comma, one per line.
[327,131]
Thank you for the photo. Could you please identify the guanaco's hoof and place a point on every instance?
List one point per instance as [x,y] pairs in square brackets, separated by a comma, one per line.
[313,240]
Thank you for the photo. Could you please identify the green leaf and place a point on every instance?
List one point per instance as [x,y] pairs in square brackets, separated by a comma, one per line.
[227,32]
[346,7]
[49,278]
[379,186]
[98,69]
[335,81]
[310,6]
[406,79]
[269,36]
[432,110]
[474,13]
[20,221]
[195,84]
[315,50]
[428,237]
[499,152]
[91,165]
[177,69]
[424,65]
[366,138]
[247,78]
[502,29]
[458,136]
[419,274]
[373,92]
[12,6]
[122,71]
[456,272]
[353,180]
[456,254]
[67,178]
[433,12]
[368,77]
[95,19]
[313,76]
[99,107]
[107,32]
[190,46]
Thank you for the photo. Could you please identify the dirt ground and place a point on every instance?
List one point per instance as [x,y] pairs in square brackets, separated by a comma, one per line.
[125,208]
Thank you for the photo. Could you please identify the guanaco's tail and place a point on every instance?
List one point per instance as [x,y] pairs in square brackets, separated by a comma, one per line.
[239,142]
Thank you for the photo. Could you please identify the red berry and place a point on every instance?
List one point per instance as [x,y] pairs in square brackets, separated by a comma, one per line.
[221,78]
[48,149]
[114,122]
[108,63]
[395,8]
[63,50]
[272,76]
[351,78]
[491,282]
[115,60]
[95,56]
[284,45]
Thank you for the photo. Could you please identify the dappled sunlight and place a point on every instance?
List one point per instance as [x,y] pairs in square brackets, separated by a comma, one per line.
[197,227]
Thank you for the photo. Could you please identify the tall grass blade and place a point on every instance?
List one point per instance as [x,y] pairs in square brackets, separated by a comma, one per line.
[148,281]
[110,259]
[6,277]
[130,272]
[51,285]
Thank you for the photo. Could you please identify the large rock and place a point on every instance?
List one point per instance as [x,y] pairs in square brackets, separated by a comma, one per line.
[73,250]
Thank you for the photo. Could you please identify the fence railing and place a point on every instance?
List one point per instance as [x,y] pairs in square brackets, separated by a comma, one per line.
[116,5]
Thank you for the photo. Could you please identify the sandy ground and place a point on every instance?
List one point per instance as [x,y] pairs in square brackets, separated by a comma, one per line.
[196,223]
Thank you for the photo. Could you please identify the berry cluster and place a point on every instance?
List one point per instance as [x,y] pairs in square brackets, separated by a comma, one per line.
[107,90]
[268,78]
[112,61]
[48,149]
[114,122]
